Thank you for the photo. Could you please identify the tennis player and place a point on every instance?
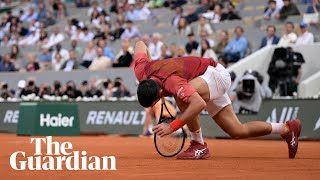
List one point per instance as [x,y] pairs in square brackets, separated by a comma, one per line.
[199,83]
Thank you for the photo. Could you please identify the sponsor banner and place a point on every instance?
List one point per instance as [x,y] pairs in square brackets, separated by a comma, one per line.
[128,117]
[111,117]
[54,119]
[9,116]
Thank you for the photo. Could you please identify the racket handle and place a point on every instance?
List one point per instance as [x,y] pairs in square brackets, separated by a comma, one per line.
[177,124]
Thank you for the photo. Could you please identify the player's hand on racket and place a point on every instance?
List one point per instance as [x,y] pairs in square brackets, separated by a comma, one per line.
[162,129]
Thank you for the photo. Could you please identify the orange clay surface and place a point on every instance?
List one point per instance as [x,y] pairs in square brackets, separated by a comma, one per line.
[137,159]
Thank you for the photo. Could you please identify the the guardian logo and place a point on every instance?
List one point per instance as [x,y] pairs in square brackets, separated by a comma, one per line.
[59,157]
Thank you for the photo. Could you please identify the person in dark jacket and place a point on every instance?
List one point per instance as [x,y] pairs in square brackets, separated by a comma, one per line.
[6,65]
[231,14]
[271,37]
[288,9]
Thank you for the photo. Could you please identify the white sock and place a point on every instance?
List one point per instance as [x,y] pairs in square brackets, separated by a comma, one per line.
[197,136]
[277,128]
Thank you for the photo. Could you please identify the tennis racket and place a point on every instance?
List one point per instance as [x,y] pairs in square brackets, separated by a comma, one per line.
[172,144]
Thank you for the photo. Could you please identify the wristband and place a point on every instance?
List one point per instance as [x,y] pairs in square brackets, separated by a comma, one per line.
[177,124]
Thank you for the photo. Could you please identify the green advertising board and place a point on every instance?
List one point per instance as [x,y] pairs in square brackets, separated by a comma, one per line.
[48,119]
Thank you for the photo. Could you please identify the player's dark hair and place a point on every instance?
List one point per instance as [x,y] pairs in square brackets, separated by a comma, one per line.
[148,92]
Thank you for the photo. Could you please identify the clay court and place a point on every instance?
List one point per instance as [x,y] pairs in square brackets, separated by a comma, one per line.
[137,159]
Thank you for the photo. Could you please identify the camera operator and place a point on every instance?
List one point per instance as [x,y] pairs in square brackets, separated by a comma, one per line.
[93,91]
[57,89]
[106,88]
[72,91]
[44,90]
[120,89]
[249,93]
[5,91]
[31,88]
[285,71]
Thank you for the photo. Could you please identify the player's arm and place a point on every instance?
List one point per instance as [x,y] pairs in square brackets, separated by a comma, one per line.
[141,48]
[141,58]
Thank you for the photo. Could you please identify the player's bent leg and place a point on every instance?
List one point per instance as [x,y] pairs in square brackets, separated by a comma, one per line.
[228,121]
[198,148]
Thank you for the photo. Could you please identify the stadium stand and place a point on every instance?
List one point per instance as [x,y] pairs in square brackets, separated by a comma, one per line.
[71,18]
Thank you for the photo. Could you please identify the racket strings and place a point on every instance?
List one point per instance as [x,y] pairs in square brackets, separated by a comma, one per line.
[170,144]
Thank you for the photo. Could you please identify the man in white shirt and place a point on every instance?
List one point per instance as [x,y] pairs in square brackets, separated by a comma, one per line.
[32,39]
[289,38]
[94,6]
[86,35]
[143,11]
[305,37]
[55,38]
[29,16]
[101,62]
[155,47]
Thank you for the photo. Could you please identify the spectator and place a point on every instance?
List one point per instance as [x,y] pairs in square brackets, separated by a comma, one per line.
[204,36]
[204,7]
[78,50]
[155,46]
[215,15]
[42,12]
[314,8]
[132,14]
[271,11]
[32,39]
[57,89]
[55,38]
[6,65]
[130,32]
[101,62]
[183,27]
[21,85]
[191,15]
[45,59]
[237,47]
[118,30]
[59,50]
[164,52]
[231,14]
[223,40]
[206,51]
[289,38]
[5,41]
[305,36]
[271,37]
[280,4]
[125,58]
[43,38]
[181,52]
[107,88]
[84,87]
[32,65]
[44,90]
[29,16]
[178,15]
[72,91]
[31,88]
[120,89]
[107,51]
[16,56]
[94,6]
[143,11]
[61,11]
[86,35]
[5,91]
[50,19]
[173,50]
[289,9]
[71,63]
[192,44]
[203,26]
[82,3]
[89,54]
[58,61]
[93,91]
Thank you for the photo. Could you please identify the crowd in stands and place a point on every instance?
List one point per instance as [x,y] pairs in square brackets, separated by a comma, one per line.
[117,20]
[94,88]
